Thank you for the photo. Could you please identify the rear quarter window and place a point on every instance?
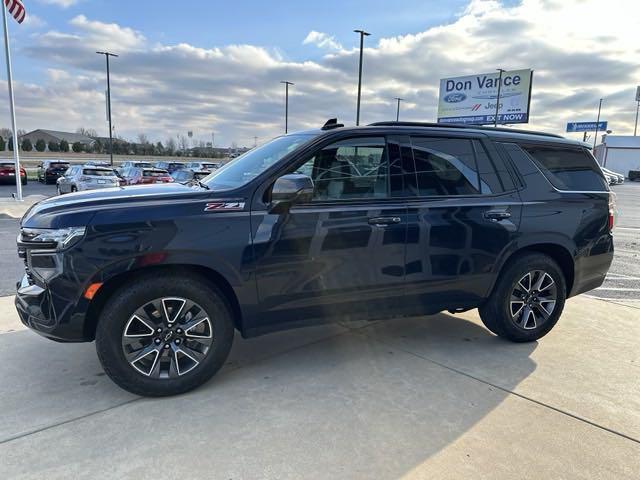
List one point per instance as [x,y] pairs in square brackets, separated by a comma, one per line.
[567,168]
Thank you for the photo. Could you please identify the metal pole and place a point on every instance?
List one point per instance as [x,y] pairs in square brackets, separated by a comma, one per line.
[12,107]
[286,104]
[109,111]
[398,108]
[107,55]
[362,35]
[595,137]
[495,120]
[635,130]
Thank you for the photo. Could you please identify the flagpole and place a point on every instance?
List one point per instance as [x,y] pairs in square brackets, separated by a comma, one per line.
[12,107]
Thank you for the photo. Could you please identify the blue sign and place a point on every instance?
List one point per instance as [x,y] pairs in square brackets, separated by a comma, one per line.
[586,126]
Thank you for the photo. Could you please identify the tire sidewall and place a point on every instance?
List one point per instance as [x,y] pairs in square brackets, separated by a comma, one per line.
[121,307]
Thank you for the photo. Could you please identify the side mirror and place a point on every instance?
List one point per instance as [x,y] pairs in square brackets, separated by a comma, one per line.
[290,189]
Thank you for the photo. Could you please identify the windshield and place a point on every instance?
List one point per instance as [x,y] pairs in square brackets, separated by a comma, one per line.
[246,167]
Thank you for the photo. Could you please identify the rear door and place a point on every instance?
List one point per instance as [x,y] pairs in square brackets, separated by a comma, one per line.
[463,212]
[343,251]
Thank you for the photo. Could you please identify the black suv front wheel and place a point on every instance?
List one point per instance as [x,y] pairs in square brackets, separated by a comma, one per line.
[527,300]
[164,335]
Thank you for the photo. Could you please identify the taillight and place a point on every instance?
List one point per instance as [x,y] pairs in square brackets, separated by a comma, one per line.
[612,211]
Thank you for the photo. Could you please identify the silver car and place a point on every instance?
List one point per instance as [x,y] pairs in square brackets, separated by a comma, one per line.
[87,177]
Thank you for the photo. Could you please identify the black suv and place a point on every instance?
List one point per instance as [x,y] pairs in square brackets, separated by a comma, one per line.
[383,220]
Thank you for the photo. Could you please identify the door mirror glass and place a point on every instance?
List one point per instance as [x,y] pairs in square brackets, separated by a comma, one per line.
[292,188]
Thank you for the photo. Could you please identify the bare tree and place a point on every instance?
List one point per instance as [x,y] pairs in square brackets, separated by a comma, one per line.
[170,146]
[142,139]
[88,132]
[183,143]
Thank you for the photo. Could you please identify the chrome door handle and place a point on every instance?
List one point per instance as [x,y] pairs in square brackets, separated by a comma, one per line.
[384,221]
[496,215]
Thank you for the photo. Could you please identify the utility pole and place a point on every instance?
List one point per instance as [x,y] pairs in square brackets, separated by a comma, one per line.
[595,137]
[255,141]
[286,104]
[398,108]
[362,35]
[12,107]
[635,129]
[107,55]
[495,120]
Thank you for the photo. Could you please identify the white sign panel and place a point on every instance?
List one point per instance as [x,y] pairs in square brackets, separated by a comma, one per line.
[472,99]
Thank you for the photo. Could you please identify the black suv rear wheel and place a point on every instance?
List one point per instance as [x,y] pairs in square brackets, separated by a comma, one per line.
[527,300]
[164,335]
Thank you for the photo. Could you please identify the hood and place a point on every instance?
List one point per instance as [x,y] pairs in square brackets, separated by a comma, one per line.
[76,209]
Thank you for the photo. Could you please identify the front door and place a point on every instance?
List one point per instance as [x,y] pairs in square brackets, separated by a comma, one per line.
[344,251]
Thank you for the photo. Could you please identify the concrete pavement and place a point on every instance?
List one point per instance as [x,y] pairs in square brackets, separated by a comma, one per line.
[429,397]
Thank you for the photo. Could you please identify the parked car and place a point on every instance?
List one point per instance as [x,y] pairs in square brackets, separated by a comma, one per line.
[133,164]
[634,175]
[619,178]
[202,166]
[186,176]
[79,178]
[169,166]
[50,170]
[383,220]
[140,176]
[8,173]
[611,179]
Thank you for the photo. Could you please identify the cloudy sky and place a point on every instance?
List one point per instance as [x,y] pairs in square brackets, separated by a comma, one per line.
[211,66]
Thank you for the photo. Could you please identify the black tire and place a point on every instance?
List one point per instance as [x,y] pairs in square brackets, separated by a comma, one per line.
[73,189]
[24,182]
[120,308]
[497,314]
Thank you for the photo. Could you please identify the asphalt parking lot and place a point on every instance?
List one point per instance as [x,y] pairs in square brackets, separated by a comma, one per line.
[424,397]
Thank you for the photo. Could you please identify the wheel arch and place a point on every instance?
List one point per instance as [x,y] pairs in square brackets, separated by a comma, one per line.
[109,287]
[558,252]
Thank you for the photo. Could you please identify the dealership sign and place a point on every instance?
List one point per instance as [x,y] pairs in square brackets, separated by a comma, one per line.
[472,99]
[586,126]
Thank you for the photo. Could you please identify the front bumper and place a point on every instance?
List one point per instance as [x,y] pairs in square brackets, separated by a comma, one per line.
[37,310]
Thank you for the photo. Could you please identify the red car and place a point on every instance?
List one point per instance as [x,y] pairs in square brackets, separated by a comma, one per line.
[8,173]
[141,176]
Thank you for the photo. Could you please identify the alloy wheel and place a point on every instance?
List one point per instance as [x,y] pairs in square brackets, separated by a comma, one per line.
[533,299]
[167,337]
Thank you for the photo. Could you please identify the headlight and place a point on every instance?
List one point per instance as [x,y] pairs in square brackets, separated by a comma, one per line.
[52,238]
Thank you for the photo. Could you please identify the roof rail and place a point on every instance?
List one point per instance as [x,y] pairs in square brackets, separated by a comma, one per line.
[462,126]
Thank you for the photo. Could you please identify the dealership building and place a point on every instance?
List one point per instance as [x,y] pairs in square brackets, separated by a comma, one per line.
[619,153]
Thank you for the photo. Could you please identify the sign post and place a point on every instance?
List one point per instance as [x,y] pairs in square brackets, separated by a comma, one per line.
[486,99]
[635,129]
[18,12]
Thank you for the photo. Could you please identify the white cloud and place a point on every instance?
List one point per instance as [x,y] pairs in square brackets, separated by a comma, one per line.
[61,3]
[580,52]
[33,21]
[321,40]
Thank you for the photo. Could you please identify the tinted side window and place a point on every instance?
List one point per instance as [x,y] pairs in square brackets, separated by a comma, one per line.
[567,168]
[445,166]
[494,177]
[350,169]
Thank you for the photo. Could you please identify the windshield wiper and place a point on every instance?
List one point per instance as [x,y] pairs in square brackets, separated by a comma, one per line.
[203,185]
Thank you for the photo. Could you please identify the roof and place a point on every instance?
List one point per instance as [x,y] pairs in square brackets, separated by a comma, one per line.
[501,133]
[68,136]
[621,141]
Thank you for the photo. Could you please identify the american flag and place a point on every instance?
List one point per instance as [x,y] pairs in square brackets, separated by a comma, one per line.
[16,8]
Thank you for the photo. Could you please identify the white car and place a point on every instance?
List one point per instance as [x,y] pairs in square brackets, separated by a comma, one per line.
[618,176]
[86,177]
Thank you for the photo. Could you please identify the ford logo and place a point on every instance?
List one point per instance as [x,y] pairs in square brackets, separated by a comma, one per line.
[455,97]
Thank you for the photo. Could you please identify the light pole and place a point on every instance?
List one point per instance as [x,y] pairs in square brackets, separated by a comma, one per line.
[286,104]
[398,108]
[595,137]
[495,120]
[107,55]
[635,129]
[362,35]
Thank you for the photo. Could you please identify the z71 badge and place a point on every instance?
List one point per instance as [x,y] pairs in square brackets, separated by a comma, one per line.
[226,206]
